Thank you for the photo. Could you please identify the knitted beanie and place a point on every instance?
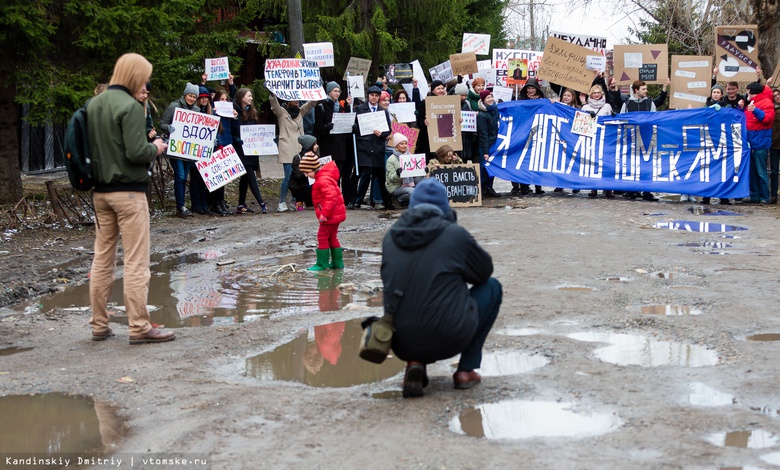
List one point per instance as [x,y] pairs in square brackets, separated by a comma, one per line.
[191,89]
[309,163]
[307,142]
[430,191]
[331,86]
[484,94]
[398,138]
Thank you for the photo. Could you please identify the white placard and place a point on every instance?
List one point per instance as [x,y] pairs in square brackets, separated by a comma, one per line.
[217,69]
[403,112]
[325,159]
[224,108]
[412,165]
[294,79]
[596,62]
[484,64]
[223,167]
[595,43]
[469,123]
[368,122]
[356,87]
[583,124]
[684,73]
[501,62]
[694,64]
[320,52]
[698,85]
[259,139]
[342,123]
[479,43]
[422,83]
[442,72]
[192,134]
[690,97]
[502,93]
[632,60]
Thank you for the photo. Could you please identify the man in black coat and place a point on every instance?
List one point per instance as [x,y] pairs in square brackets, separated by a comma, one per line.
[371,151]
[430,258]
[336,146]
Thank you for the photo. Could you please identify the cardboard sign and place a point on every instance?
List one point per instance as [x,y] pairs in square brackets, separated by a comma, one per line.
[259,139]
[469,123]
[501,62]
[688,75]
[477,43]
[648,62]
[320,52]
[462,183]
[564,63]
[464,64]
[441,72]
[221,168]
[217,69]
[342,123]
[402,112]
[192,135]
[367,122]
[502,94]
[294,79]
[357,66]
[224,108]
[411,133]
[594,43]
[412,165]
[443,114]
[355,83]
[736,52]
[518,72]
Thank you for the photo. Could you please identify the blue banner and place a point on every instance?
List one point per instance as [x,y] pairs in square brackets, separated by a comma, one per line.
[700,152]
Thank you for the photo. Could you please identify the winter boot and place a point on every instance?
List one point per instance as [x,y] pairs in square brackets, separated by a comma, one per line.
[337,257]
[323,258]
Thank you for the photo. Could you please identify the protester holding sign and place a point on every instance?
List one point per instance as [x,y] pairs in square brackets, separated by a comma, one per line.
[437,89]
[247,115]
[487,133]
[336,146]
[760,116]
[597,105]
[181,168]
[530,91]
[444,156]
[198,191]
[774,152]
[398,187]
[371,151]
[216,198]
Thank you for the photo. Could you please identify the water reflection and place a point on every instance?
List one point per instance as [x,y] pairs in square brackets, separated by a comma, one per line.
[756,439]
[637,350]
[700,394]
[691,226]
[670,310]
[500,363]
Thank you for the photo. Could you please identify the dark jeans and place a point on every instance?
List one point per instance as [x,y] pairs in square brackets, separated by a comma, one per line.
[198,190]
[488,297]
[487,180]
[249,181]
[366,173]
[759,184]
[181,169]
[774,171]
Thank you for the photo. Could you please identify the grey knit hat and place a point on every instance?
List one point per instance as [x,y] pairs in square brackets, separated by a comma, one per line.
[191,89]
[718,87]
[461,89]
[331,86]
[307,142]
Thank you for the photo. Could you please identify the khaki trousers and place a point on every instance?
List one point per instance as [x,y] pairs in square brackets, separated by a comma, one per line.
[124,213]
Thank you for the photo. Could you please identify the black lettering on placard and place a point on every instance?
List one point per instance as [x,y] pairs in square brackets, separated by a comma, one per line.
[648,72]
[462,183]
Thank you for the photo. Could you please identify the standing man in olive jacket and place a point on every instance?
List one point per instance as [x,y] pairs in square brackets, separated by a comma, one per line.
[437,316]
[121,162]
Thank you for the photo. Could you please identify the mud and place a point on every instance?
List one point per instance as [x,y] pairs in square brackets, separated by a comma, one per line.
[197,395]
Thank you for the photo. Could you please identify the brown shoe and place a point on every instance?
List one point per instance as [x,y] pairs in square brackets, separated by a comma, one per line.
[102,336]
[415,379]
[153,336]
[466,379]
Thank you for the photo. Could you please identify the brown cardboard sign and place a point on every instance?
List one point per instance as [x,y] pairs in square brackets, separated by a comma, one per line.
[647,62]
[443,115]
[691,79]
[462,183]
[564,63]
[736,52]
[464,63]
[357,66]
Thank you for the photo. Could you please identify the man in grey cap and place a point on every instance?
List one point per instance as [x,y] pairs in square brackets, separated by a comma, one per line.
[371,151]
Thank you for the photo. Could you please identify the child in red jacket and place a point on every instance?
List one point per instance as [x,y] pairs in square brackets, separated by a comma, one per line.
[328,206]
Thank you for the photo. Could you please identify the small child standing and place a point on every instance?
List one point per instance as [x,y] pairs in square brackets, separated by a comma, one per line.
[329,208]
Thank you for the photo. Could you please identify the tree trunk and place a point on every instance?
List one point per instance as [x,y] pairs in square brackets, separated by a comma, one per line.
[10,175]
[295,19]
[768,34]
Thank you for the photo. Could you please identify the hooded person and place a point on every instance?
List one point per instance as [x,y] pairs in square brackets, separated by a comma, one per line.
[428,260]
[181,168]
[531,90]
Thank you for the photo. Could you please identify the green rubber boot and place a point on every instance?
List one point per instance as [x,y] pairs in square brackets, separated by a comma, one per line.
[337,254]
[323,258]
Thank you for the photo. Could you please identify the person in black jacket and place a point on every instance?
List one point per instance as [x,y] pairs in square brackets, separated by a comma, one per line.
[487,132]
[336,146]
[430,258]
[371,151]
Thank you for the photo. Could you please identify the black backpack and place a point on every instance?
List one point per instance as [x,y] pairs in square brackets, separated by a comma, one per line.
[77,161]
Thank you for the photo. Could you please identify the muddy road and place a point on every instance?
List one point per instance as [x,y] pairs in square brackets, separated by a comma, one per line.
[619,344]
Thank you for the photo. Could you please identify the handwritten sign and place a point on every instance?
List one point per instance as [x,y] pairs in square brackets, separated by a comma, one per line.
[690,78]
[368,122]
[356,86]
[648,62]
[464,64]
[596,62]
[736,50]
[583,124]
[357,66]
[294,79]
[461,182]
[402,112]
[502,94]
[221,168]
[320,52]
[477,43]
[224,108]
[564,63]
[412,165]
[217,69]
[192,135]
[469,123]
[442,72]
[342,123]
[443,114]
[594,43]
[259,139]
[411,133]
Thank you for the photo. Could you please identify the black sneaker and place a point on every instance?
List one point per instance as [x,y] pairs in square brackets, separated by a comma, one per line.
[414,379]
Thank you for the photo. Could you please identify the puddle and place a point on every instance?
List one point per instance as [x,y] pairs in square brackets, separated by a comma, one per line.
[767,410]
[691,226]
[576,288]
[519,331]
[618,279]
[13,350]
[502,363]
[700,210]
[637,350]
[773,458]
[519,419]
[700,394]
[190,290]
[732,237]
[706,244]
[55,423]
[388,395]
[669,310]
[764,337]
[653,214]
[665,274]
[685,287]
[323,356]
[756,439]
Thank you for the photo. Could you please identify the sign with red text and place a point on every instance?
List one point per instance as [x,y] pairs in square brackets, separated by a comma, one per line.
[412,165]
[221,168]
[192,135]
[477,43]
[320,52]
[294,79]
[501,62]
[411,134]
[217,69]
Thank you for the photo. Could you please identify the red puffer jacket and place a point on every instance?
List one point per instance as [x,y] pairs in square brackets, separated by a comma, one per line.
[326,196]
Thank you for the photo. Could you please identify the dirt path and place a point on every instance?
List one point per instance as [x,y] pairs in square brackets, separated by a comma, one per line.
[684,378]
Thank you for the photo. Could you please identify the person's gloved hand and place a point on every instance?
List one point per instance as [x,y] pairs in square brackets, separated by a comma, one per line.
[329,126]
[398,172]
[716,107]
